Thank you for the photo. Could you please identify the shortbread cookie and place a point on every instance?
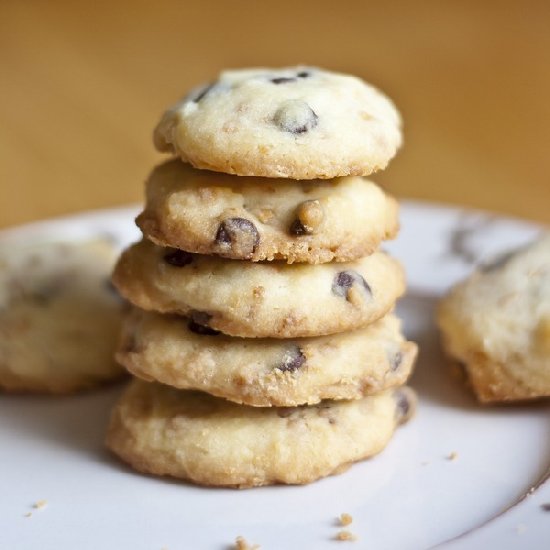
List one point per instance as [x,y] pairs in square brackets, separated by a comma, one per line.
[264,372]
[59,316]
[297,122]
[194,436]
[497,323]
[263,219]
[270,299]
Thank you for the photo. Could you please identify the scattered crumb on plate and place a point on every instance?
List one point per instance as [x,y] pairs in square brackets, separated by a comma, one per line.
[345,535]
[38,505]
[452,456]
[345,519]
[521,528]
[242,544]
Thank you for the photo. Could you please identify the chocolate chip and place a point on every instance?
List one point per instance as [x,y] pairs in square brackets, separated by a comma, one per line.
[283,80]
[200,317]
[303,74]
[238,235]
[342,283]
[197,328]
[403,404]
[296,228]
[203,93]
[396,360]
[295,116]
[405,400]
[293,359]
[178,258]
[345,280]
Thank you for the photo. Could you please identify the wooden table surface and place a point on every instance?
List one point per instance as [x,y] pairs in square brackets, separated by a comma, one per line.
[83,83]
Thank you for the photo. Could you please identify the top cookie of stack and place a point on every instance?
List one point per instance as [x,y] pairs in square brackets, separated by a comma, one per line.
[299,123]
[290,124]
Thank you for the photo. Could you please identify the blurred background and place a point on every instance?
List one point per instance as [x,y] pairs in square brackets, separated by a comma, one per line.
[82,85]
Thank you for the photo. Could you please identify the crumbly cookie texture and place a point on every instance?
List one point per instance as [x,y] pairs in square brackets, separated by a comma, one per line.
[266,219]
[264,372]
[194,436]
[497,323]
[256,300]
[294,122]
[59,316]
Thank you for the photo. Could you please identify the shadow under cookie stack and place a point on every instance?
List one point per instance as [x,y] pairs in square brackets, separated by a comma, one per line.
[263,338]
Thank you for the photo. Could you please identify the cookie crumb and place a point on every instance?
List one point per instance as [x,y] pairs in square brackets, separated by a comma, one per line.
[545,506]
[38,505]
[452,456]
[345,535]
[28,514]
[345,519]
[242,544]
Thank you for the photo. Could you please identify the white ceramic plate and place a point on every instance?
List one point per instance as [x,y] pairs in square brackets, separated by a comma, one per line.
[409,497]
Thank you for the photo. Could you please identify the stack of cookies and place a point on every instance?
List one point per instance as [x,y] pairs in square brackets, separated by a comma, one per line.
[263,338]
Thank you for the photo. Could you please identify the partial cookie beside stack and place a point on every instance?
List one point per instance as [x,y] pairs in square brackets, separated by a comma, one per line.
[268,292]
[59,315]
[497,324]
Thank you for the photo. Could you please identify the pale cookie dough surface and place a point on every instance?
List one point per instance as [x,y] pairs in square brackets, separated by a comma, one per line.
[59,316]
[294,122]
[210,441]
[497,323]
[270,299]
[264,372]
[263,219]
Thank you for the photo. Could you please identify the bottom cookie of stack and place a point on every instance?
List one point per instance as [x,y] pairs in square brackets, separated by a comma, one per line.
[194,436]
